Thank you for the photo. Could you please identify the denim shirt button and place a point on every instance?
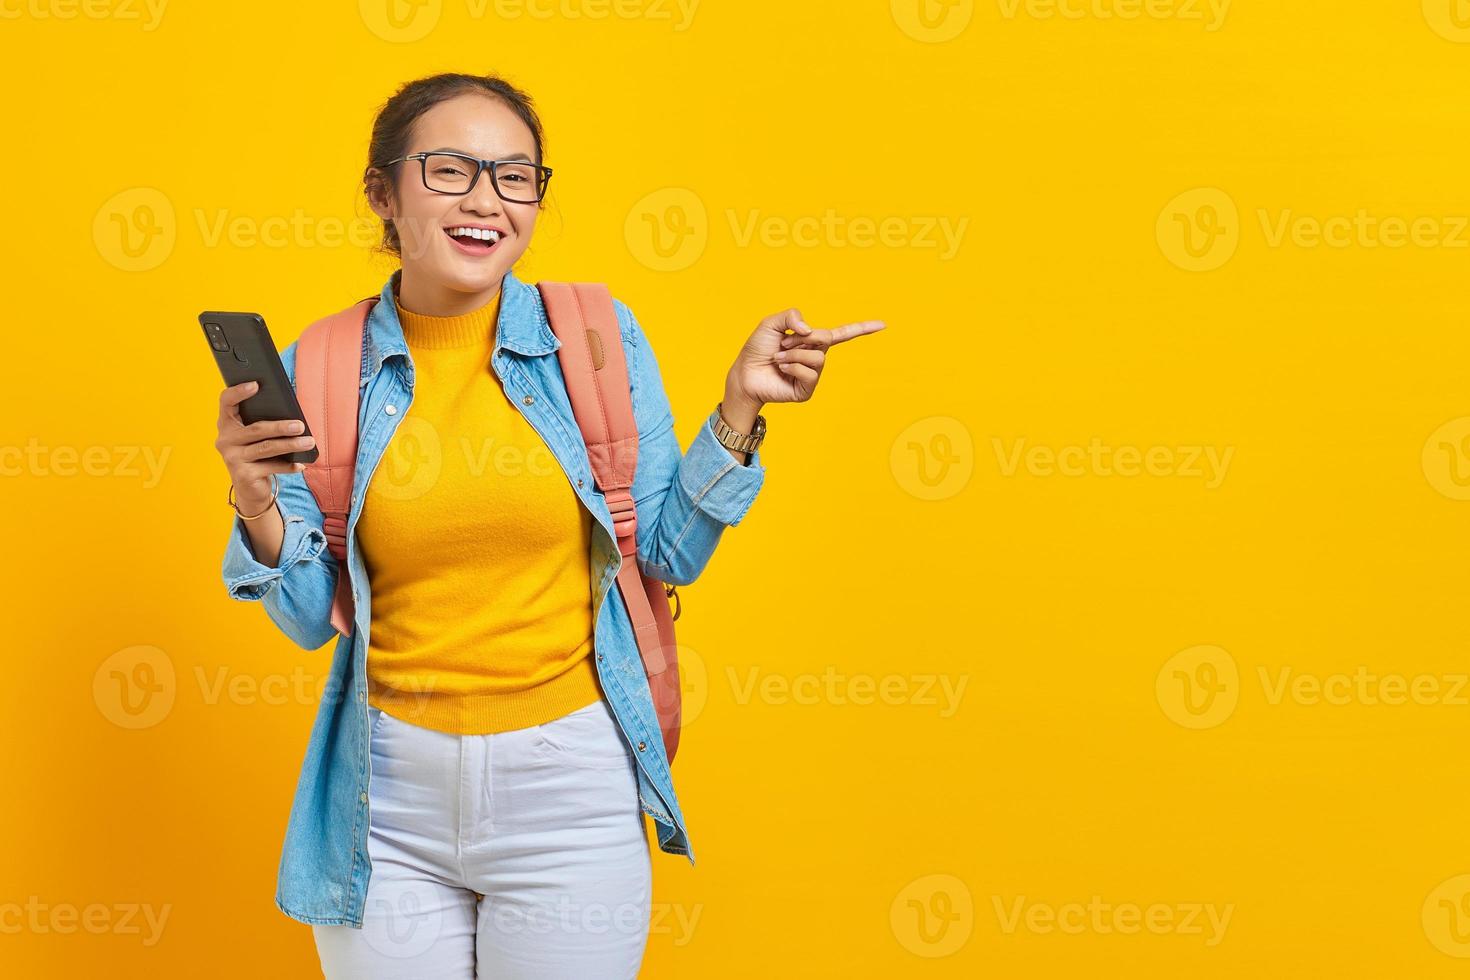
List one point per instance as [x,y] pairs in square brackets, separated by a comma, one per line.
[527,400]
[362,797]
[641,746]
[579,483]
[391,409]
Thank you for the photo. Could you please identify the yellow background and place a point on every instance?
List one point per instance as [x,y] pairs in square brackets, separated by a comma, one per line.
[1121,737]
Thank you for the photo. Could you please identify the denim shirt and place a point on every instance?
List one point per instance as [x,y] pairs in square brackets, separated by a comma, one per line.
[684,500]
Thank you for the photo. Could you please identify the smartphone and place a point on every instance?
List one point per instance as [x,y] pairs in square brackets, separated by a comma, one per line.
[244,351]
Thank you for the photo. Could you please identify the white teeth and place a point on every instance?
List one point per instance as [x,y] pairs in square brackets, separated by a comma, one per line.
[480,233]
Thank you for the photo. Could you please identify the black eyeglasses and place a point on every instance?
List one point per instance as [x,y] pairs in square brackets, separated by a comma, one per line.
[457,173]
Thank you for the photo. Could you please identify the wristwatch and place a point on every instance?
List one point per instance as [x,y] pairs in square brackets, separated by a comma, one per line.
[740,442]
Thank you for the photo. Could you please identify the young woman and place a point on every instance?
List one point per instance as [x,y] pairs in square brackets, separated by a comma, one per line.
[472,797]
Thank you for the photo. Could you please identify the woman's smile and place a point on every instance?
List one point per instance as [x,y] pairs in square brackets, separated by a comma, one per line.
[475,239]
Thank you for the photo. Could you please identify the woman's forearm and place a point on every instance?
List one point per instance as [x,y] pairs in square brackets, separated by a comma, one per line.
[265,534]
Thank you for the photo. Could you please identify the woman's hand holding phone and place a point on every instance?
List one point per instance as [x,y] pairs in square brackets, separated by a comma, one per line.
[246,451]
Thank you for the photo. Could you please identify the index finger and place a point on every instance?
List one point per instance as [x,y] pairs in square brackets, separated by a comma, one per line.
[857,329]
[235,394]
[231,397]
[827,338]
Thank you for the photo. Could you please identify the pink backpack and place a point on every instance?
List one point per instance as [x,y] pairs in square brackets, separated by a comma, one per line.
[328,374]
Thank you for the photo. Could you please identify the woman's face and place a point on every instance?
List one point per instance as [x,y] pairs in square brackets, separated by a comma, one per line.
[435,264]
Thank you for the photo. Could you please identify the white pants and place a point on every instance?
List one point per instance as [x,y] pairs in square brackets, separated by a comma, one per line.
[514,855]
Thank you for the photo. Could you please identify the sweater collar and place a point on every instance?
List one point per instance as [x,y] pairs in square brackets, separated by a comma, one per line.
[475,329]
[521,325]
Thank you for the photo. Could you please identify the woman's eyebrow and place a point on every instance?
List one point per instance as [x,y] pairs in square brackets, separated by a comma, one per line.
[453,149]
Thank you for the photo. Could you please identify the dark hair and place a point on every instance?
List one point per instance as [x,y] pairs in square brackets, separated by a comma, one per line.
[393,126]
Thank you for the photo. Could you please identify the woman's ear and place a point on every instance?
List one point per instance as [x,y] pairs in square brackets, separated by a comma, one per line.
[379,194]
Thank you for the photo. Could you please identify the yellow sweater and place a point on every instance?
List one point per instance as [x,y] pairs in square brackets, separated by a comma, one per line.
[477,550]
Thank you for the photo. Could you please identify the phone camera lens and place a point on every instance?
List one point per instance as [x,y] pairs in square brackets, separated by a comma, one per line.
[216,337]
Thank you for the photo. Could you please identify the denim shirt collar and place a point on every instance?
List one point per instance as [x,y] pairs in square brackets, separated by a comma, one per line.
[521,326]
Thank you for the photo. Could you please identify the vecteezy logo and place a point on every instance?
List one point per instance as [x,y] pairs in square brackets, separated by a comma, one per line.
[405,922]
[1446,916]
[135,229]
[135,687]
[667,230]
[932,21]
[1450,19]
[1199,229]
[400,21]
[1198,687]
[1446,458]
[933,458]
[693,684]
[412,462]
[932,916]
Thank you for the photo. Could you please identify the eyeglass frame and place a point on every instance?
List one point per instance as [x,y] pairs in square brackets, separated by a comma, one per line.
[480,167]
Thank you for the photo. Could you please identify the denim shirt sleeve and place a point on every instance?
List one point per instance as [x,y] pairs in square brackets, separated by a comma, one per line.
[684,500]
[297,593]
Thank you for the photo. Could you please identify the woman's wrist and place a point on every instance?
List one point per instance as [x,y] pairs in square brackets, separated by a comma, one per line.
[739,412]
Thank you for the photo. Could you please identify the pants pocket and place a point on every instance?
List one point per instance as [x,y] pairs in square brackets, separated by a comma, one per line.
[588,738]
[375,721]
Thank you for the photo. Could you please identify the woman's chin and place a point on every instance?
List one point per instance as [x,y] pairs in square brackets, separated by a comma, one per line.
[474,280]
[467,274]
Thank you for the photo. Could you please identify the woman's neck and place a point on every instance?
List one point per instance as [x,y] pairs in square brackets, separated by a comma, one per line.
[429,298]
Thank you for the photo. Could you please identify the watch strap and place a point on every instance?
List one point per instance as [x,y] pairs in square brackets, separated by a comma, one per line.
[740,442]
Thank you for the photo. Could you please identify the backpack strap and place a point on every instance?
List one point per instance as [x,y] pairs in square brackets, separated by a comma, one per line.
[328,380]
[596,374]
